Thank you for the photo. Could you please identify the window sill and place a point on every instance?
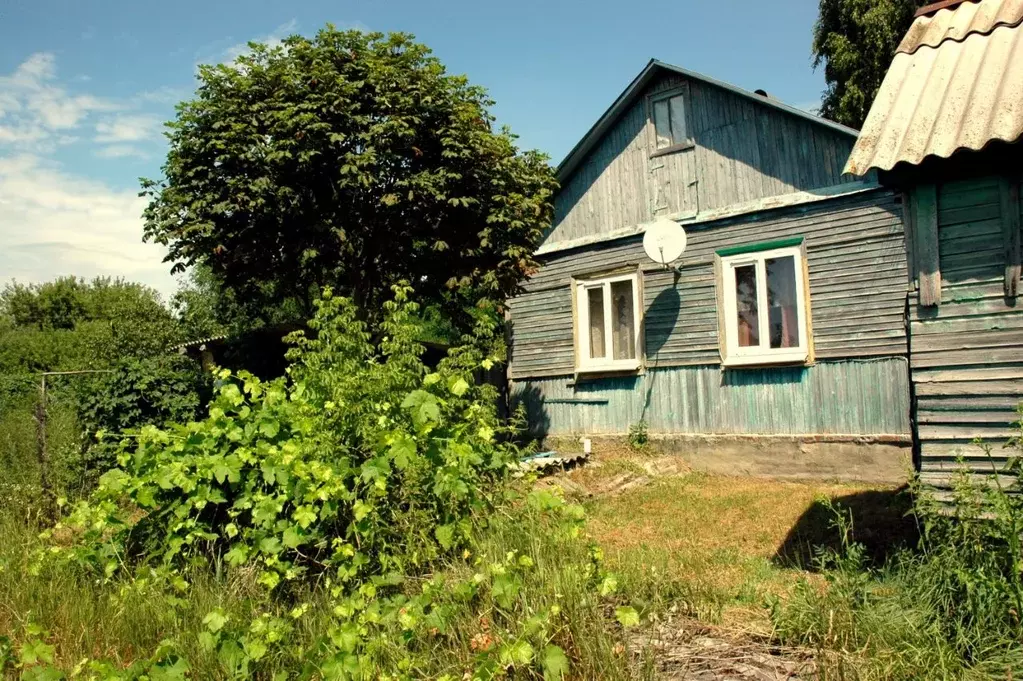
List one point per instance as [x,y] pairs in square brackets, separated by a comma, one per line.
[786,359]
[608,369]
[675,148]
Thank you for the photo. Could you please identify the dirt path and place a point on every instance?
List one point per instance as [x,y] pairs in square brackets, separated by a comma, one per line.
[680,648]
[684,649]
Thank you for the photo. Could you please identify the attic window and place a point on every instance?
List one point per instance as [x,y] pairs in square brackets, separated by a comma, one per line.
[669,117]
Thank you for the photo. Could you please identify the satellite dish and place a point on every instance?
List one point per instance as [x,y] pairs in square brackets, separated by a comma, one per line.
[664,241]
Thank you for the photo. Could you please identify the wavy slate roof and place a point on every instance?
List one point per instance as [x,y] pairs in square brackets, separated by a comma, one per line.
[956,82]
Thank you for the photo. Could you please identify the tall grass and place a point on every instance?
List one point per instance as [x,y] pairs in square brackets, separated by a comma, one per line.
[949,609]
[126,619]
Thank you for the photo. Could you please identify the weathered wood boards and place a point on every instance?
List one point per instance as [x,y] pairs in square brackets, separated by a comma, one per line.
[857,267]
[967,354]
[741,152]
[868,398]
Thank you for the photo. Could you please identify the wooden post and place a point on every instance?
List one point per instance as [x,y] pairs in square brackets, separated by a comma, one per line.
[925,242]
[1010,212]
[43,452]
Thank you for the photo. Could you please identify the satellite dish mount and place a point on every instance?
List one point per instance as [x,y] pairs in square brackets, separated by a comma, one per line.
[664,243]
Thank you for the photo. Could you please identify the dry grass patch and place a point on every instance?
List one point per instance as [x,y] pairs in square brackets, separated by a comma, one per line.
[723,545]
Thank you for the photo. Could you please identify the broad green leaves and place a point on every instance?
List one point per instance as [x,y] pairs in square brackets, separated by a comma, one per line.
[358,470]
[627,616]
[555,663]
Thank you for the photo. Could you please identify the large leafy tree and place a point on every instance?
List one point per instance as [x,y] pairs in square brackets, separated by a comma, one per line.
[350,159]
[855,40]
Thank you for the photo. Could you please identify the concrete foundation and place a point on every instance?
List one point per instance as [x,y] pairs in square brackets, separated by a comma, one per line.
[886,459]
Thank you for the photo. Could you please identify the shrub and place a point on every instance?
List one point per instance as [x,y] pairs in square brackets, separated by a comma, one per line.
[352,481]
[638,437]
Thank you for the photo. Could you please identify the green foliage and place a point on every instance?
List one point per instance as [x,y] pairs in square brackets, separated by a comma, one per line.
[110,318]
[638,436]
[156,390]
[72,325]
[856,40]
[202,308]
[950,609]
[352,160]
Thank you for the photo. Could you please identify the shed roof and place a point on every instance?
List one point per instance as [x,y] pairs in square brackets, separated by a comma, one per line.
[636,88]
[956,82]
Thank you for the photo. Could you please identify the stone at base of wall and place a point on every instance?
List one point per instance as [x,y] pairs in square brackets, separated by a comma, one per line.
[874,459]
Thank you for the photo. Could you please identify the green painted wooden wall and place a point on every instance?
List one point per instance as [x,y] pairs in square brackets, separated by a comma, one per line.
[967,352]
[867,397]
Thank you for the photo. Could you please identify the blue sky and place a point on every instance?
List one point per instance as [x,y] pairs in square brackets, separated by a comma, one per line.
[86,84]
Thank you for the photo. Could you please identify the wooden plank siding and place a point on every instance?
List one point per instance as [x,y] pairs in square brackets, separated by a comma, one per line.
[742,152]
[967,353]
[849,397]
[857,264]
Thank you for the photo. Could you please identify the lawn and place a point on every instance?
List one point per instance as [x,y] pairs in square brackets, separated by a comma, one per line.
[722,545]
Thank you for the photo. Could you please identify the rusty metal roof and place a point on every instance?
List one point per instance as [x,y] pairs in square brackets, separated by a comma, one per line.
[956,82]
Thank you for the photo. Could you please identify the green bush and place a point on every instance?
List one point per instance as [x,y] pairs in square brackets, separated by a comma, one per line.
[350,499]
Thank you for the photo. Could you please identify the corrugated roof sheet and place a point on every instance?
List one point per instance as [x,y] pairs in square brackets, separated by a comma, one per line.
[960,21]
[955,83]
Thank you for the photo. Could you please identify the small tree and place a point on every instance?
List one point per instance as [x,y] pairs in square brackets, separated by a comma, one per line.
[353,160]
[855,40]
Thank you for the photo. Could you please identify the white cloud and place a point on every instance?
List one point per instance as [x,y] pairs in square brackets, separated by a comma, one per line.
[121,151]
[127,128]
[35,110]
[54,223]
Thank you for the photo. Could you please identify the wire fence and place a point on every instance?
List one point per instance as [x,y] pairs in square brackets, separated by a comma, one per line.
[17,389]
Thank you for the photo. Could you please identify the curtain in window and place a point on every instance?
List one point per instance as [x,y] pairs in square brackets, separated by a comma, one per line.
[595,299]
[623,329]
[781,302]
[746,306]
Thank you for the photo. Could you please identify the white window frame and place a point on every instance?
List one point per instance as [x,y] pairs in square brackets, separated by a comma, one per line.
[582,308]
[734,354]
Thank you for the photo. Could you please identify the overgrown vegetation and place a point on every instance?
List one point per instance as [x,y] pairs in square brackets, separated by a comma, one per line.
[71,325]
[949,609]
[349,521]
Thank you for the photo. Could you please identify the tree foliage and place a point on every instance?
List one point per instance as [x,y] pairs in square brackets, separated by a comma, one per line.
[71,323]
[855,40]
[353,160]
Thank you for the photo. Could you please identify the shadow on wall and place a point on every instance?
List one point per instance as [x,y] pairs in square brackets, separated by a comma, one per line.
[660,320]
[881,522]
[538,421]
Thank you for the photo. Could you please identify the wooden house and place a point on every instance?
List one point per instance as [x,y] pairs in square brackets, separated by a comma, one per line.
[945,129]
[777,345]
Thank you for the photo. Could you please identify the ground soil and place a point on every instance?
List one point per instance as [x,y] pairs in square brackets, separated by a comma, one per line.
[722,526]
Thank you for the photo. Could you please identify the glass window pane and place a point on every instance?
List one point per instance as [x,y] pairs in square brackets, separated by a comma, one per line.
[595,298]
[662,124]
[783,319]
[623,322]
[746,306]
[678,119]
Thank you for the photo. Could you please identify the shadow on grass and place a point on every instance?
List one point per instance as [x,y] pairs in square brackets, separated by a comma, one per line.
[881,522]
